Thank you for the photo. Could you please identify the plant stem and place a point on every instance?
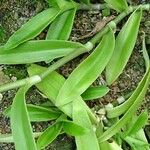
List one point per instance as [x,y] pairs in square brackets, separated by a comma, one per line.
[65,59]
[92,6]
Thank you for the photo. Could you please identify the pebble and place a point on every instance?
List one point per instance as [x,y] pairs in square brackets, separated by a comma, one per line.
[1,96]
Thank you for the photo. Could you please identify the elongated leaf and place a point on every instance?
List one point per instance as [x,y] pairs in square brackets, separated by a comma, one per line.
[118,5]
[66,4]
[124,46]
[20,124]
[8,138]
[140,135]
[121,109]
[95,92]
[52,3]
[37,113]
[50,86]
[89,140]
[35,51]
[73,129]
[32,28]
[87,72]
[139,123]
[137,142]
[129,113]
[49,135]
[145,54]
[61,27]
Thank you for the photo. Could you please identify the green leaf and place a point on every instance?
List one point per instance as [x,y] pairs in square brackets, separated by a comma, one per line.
[110,146]
[95,92]
[145,54]
[8,138]
[118,5]
[50,86]
[140,122]
[32,28]
[136,102]
[37,113]
[125,43]
[49,135]
[73,129]
[88,141]
[137,142]
[87,72]
[20,123]
[85,1]
[61,27]
[121,109]
[35,51]
[52,3]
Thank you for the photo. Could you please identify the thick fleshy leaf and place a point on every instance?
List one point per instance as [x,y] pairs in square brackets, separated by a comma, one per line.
[124,45]
[32,28]
[37,113]
[95,92]
[87,72]
[129,112]
[73,129]
[81,117]
[118,5]
[36,51]
[20,123]
[61,27]
[49,135]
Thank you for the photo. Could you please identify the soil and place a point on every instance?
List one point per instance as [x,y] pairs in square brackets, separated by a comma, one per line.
[14,13]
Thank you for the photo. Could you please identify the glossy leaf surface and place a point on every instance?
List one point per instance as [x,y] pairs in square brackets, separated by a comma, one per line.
[36,51]
[125,43]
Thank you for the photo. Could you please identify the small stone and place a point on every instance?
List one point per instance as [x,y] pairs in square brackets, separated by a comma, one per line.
[14,78]
[1,96]
[120,99]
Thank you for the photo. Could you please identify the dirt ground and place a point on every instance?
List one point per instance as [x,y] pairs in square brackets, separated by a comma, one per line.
[14,13]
